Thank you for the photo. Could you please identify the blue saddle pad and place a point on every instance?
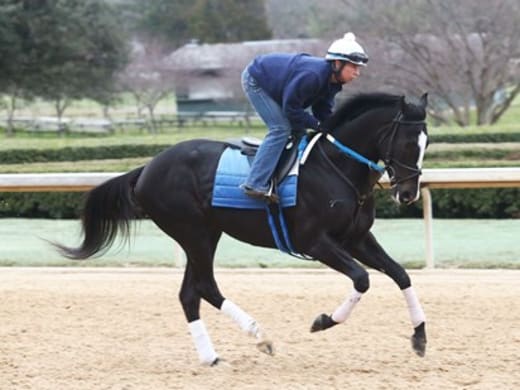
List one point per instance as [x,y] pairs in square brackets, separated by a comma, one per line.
[233,168]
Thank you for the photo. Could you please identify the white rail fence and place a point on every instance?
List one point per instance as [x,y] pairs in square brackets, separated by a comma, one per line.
[431,178]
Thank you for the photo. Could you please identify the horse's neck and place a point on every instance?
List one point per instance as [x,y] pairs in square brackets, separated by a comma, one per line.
[363,136]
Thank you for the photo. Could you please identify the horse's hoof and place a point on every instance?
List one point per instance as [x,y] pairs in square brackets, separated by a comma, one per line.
[419,346]
[418,340]
[322,322]
[266,346]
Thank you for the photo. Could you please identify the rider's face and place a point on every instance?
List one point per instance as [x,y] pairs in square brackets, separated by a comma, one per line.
[349,72]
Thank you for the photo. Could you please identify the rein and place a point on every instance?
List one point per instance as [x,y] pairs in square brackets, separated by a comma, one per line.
[355,155]
[388,160]
[361,198]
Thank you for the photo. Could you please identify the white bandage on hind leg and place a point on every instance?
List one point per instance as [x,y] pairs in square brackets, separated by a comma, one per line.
[343,311]
[200,336]
[414,307]
[244,320]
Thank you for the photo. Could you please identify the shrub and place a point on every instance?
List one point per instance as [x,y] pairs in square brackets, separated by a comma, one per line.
[475,137]
[77,154]
[447,203]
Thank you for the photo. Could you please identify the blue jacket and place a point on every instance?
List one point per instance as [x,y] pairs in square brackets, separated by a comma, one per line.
[296,82]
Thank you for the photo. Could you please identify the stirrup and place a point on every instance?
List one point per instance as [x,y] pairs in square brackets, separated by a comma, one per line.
[269,196]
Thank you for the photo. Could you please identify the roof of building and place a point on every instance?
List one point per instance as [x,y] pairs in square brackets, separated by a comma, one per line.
[224,55]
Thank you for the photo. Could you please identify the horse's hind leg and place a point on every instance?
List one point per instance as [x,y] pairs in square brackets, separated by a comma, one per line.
[190,300]
[199,282]
[248,325]
[370,253]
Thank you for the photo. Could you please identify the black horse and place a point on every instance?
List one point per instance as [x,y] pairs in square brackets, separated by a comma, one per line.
[331,221]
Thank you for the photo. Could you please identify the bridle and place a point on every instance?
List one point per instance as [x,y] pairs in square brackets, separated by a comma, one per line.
[389,161]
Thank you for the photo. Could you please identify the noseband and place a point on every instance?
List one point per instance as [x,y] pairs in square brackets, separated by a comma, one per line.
[389,161]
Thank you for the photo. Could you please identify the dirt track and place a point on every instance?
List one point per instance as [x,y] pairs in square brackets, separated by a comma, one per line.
[124,329]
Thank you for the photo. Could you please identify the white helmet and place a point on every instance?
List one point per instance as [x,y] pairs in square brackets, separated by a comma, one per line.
[347,49]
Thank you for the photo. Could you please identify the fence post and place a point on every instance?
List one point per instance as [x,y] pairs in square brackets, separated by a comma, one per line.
[428,226]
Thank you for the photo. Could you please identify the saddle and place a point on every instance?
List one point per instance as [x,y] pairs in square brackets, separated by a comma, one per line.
[227,194]
[248,146]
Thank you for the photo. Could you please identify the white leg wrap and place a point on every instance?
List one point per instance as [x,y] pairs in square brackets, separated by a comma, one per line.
[244,320]
[414,307]
[343,311]
[200,336]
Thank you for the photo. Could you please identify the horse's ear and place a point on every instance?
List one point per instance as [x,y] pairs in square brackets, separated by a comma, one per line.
[424,100]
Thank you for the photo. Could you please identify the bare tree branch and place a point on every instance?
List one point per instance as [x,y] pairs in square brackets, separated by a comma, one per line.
[148,80]
[461,50]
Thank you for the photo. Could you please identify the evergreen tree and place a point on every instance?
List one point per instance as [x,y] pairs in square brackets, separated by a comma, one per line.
[60,50]
[77,50]
[177,22]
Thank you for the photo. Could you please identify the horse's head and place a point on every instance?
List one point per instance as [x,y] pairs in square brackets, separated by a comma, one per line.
[379,126]
[403,147]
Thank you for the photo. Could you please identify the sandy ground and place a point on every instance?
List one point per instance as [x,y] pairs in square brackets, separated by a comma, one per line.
[124,329]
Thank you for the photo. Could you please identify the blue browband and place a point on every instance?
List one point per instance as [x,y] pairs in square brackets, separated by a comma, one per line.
[355,155]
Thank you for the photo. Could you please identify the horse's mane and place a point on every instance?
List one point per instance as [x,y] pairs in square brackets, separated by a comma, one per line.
[358,104]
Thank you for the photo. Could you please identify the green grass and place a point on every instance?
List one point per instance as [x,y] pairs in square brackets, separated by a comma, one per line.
[513,127]
[125,107]
[127,164]
[510,122]
[472,155]
[457,243]
[468,163]
[437,156]
[460,155]
[167,136]
[115,165]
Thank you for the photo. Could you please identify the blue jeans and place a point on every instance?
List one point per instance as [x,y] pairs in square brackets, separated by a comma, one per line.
[279,130]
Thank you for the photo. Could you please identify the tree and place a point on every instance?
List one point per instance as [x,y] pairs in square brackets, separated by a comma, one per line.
[147,79]
[229,21]
[72,49]
[178,22]
[10,44]
[12,55]
[166,25]
[306,19]
[465,53]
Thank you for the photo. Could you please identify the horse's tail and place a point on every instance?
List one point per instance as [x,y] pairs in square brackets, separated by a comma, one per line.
[108,210]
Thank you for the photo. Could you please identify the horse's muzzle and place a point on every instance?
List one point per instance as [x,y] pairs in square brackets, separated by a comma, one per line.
[407,197]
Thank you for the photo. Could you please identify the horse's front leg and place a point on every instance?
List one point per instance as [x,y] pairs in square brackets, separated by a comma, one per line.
[369,252]
[331,254]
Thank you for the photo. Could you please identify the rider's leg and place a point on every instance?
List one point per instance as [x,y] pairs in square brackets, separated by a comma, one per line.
[271,148]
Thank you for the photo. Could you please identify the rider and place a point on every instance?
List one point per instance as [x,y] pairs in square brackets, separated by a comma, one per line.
[281,86]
